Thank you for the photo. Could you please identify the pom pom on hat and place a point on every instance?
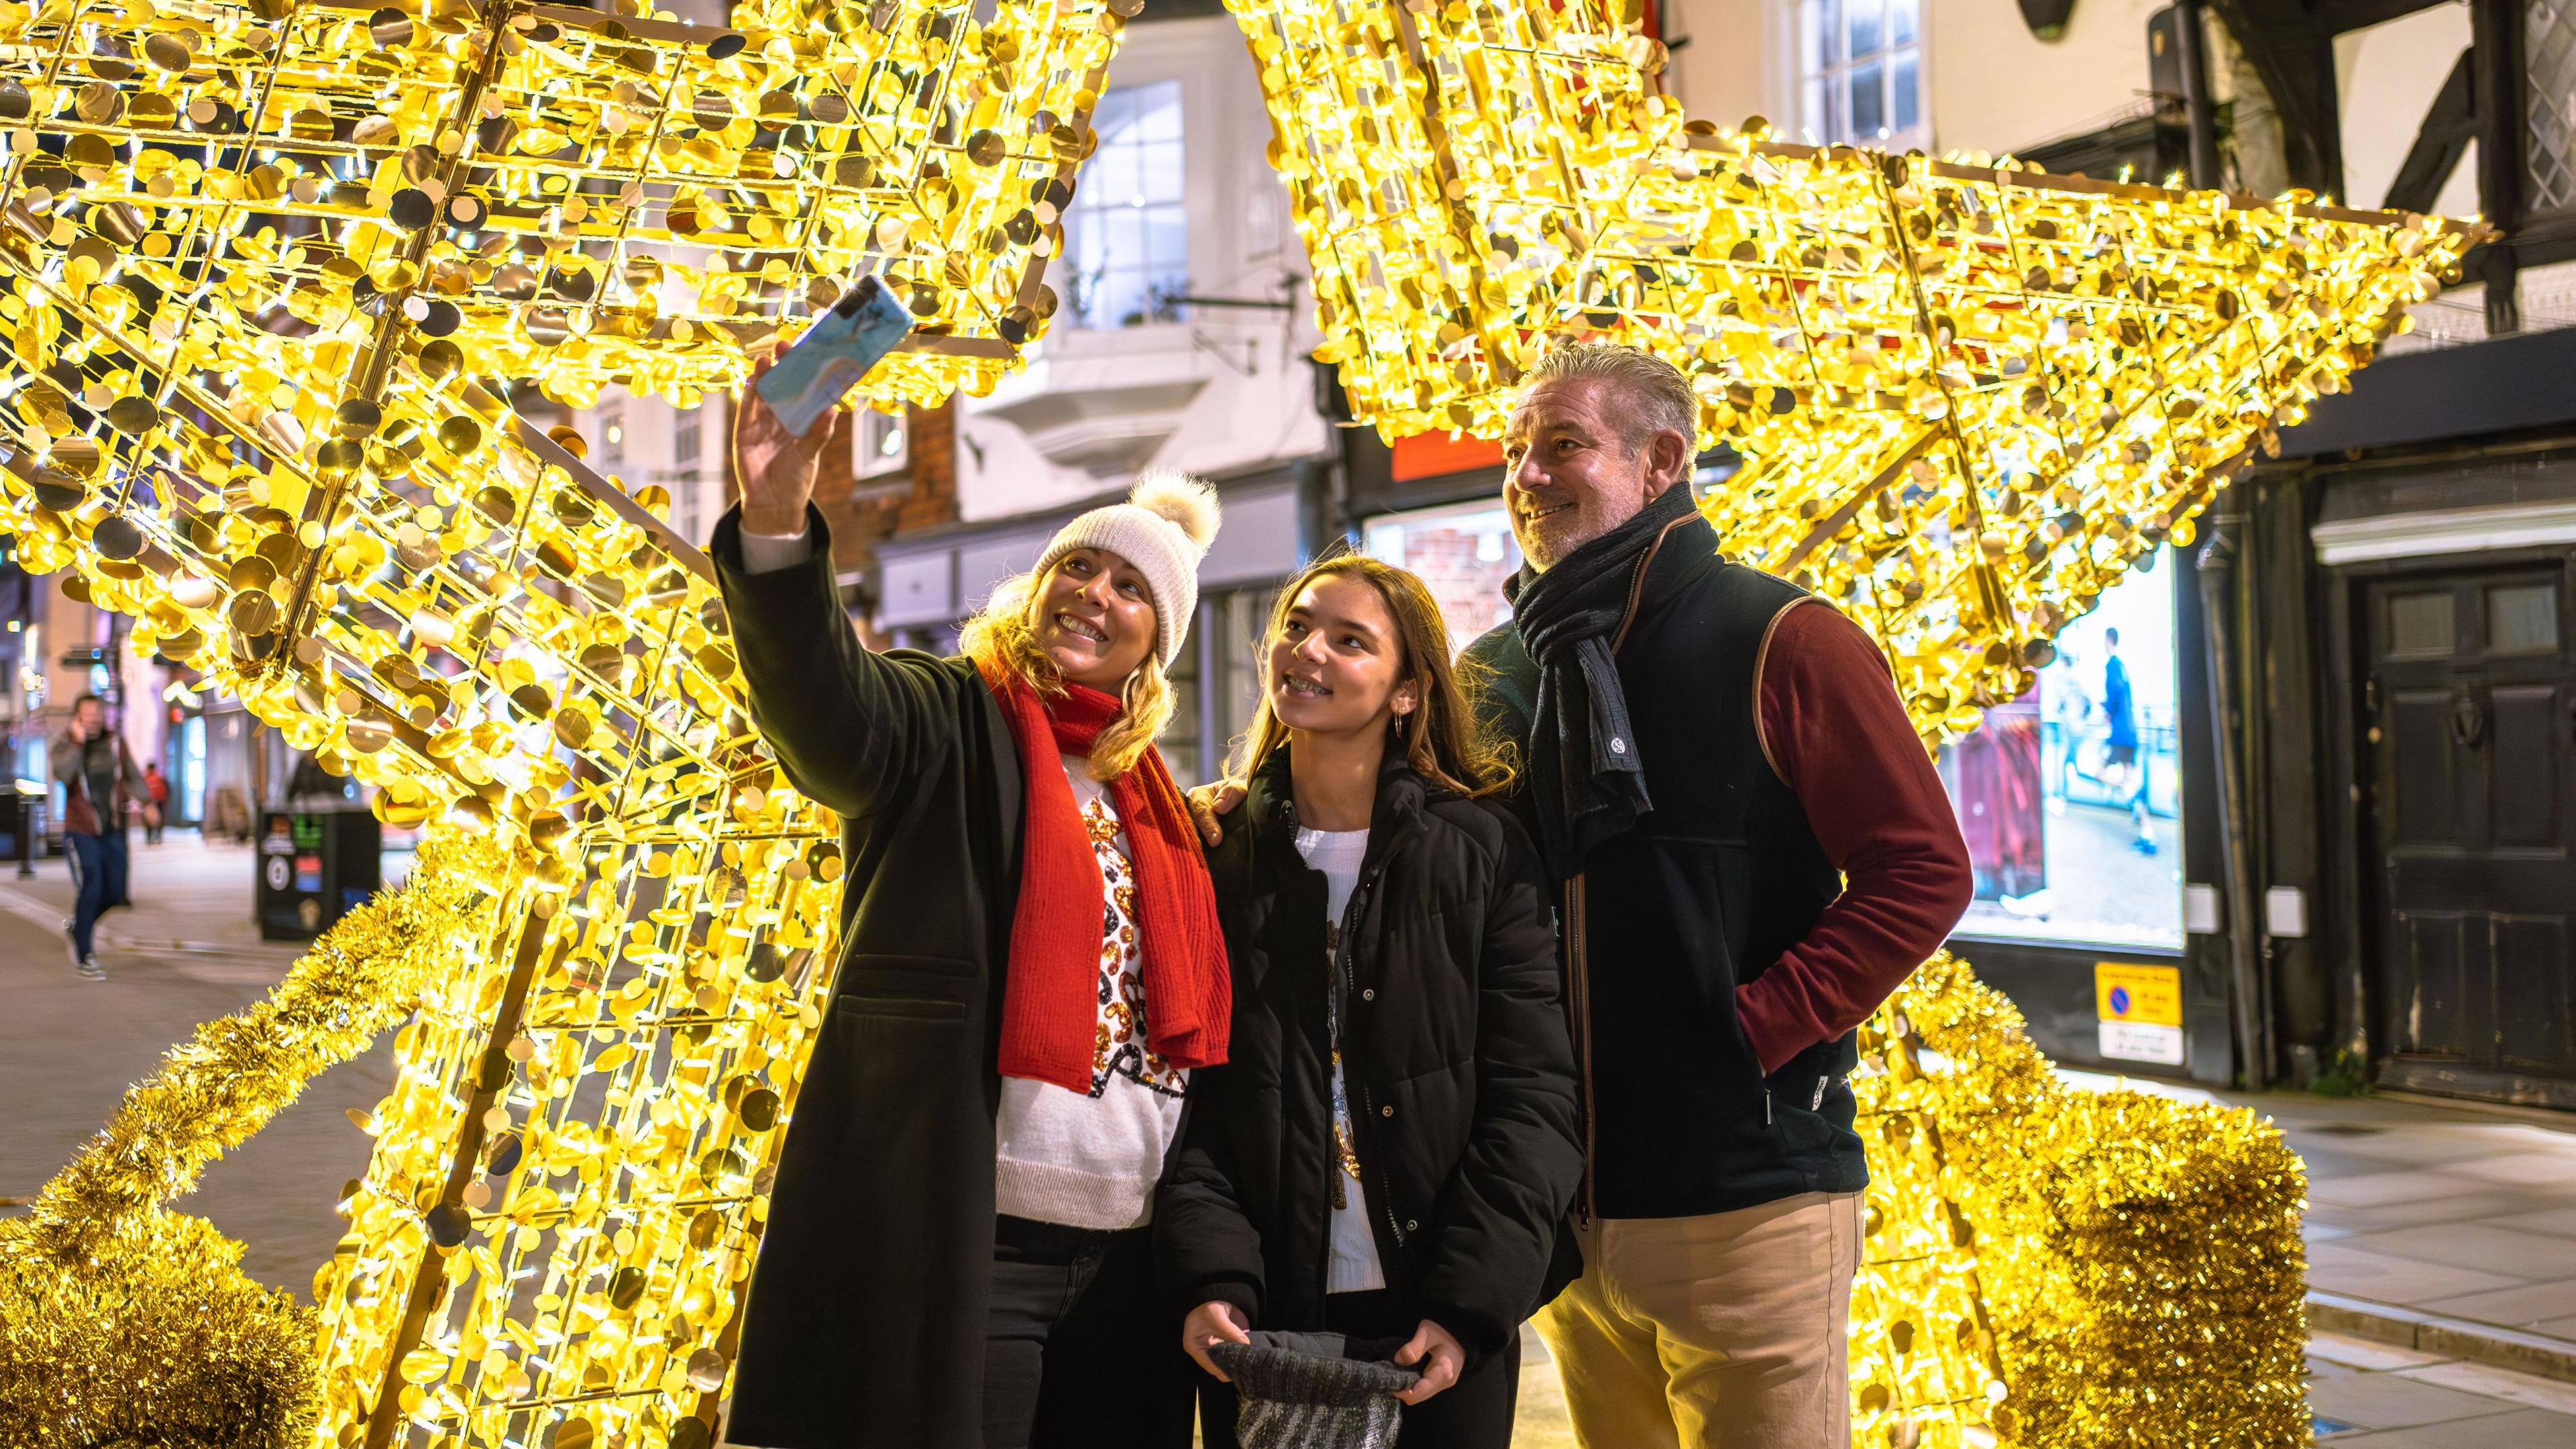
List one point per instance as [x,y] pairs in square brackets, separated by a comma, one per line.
[1163,530]
[1190,503]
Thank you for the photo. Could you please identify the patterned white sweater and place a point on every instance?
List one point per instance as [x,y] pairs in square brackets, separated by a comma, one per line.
[1091,1159]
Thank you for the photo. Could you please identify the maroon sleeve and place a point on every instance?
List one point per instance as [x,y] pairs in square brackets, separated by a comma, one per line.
[1834,729]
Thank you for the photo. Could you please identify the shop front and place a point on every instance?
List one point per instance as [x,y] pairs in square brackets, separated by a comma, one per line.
[2074,799]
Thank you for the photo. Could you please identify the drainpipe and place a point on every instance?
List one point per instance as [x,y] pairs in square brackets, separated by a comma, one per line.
[2197,105]
[2217,603]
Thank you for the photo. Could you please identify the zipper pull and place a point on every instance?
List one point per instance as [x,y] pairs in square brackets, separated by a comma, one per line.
[1819,1104]
[1766,1106]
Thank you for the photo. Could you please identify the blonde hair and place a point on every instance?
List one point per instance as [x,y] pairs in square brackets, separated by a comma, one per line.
[1000,640]
[1439,738]
[1662,396]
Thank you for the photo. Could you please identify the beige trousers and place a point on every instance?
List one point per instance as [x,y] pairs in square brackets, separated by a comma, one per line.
[1717,1332]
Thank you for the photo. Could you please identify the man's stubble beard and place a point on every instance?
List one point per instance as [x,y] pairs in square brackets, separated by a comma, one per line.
[1552,549]
[1538,559]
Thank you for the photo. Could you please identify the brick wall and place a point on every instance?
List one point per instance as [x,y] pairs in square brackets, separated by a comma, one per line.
[933,500]
[860,515]
[1470,590]
[865,514]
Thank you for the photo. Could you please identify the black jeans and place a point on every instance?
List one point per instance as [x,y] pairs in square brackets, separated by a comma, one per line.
[1078,1354]
[1473,1413]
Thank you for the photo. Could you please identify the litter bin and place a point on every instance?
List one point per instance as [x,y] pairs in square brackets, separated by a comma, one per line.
[24,812]
[314,865]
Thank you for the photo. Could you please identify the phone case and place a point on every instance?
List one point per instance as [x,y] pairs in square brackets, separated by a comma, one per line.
[833,355]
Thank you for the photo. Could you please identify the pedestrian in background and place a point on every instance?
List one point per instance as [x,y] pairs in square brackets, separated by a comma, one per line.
[2120,705]
[99,784]
[156,788]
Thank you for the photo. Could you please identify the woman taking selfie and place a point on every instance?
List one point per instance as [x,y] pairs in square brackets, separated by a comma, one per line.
[957,1254]
[1391,1146]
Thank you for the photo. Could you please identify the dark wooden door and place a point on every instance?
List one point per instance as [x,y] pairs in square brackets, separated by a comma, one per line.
[2471,703]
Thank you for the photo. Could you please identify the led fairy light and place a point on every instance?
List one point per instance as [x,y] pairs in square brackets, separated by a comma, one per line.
[1966,397]
[259,264]
[521,178]
[1967,400]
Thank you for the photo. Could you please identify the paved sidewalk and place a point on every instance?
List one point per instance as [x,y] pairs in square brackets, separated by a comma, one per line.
[191,897]
[2450,1229]
[69,1048]
[2366,1393]
[192,906]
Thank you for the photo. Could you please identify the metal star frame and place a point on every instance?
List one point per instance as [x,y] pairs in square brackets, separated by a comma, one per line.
[1967,398]
[268,267]
[263,267]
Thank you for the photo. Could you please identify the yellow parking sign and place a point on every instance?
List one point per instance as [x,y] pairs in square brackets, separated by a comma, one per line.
[2140,1008]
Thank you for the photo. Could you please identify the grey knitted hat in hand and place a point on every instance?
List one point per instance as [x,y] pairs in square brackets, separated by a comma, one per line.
[1314,1390]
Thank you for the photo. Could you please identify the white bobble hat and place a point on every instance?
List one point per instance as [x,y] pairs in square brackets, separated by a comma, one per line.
[1163,530]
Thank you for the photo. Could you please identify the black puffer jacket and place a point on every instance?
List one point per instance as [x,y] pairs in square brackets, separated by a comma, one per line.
[1455,1056]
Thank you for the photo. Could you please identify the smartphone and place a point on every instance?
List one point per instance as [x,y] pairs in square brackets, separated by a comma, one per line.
[835,353]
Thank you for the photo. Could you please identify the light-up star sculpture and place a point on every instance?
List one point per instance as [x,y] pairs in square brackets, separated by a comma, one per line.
[271,272]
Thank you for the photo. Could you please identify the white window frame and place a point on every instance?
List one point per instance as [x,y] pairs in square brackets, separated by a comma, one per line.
[1089,204]
[1822,81]
[870,456]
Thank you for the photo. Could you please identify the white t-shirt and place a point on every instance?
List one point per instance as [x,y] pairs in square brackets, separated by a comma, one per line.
[1090,1160]
[1355,1267]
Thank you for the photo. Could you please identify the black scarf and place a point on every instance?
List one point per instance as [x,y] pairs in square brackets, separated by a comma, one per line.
[1587,781]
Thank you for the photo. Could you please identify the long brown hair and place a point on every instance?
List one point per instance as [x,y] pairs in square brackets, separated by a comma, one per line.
[1001,637]
[1439,738]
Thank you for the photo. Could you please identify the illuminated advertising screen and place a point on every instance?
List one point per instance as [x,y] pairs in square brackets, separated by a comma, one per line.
[2070,797]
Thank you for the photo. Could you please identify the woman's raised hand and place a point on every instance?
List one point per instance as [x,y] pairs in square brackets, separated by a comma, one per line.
[1210,1324]
[776,466]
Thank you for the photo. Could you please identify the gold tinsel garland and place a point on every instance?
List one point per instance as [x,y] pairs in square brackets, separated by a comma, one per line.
[1970,399]
[2140,1256]
[124,1324]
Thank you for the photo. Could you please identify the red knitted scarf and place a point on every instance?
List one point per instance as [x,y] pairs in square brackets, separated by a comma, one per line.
[1051,1005]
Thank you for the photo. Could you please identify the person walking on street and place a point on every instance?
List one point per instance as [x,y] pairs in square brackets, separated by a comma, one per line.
[958,1247]
[156,793]
[1751,850]
[1391,1149]
[2120,705]
[99,784]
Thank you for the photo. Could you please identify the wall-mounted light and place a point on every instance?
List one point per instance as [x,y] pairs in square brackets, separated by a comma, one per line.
[2046,18]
